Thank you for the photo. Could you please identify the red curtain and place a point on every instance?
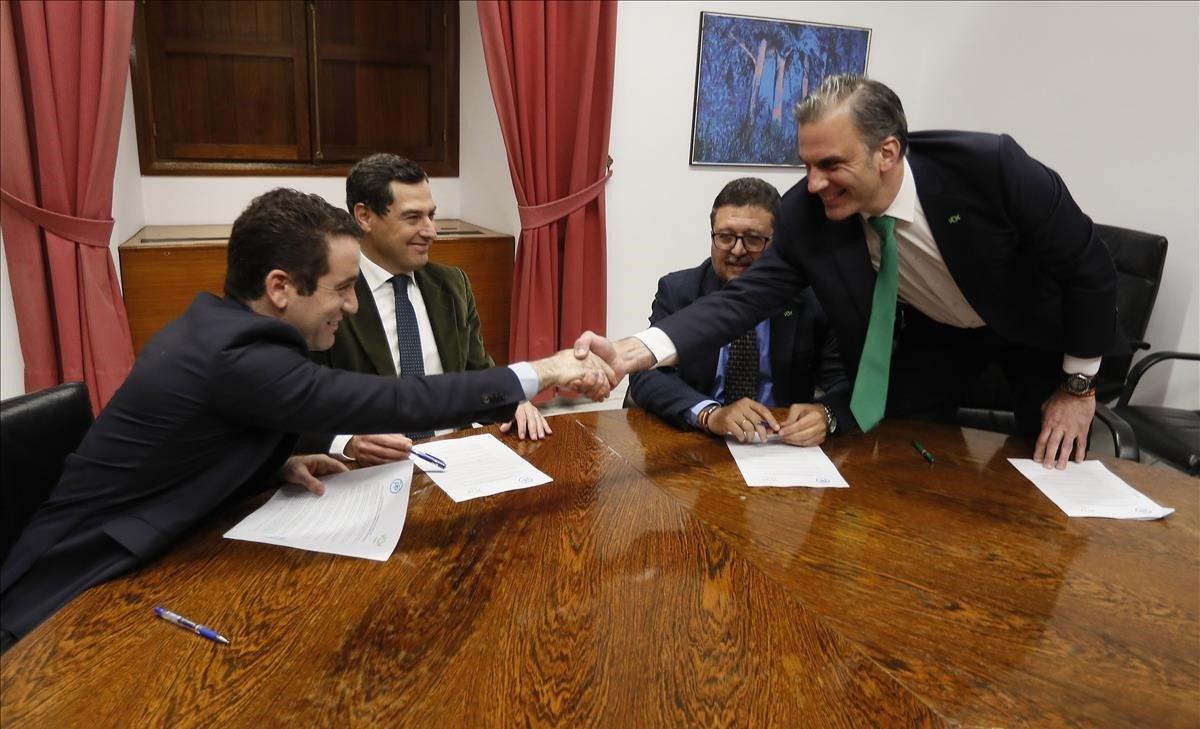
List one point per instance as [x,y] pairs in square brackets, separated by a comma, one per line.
[63,67]
[550,65]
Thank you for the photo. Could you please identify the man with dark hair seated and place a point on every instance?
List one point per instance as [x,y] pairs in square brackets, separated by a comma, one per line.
[728,391]
[209,412]
[414,316]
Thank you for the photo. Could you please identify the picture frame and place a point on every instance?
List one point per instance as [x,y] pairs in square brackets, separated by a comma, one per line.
[751,72]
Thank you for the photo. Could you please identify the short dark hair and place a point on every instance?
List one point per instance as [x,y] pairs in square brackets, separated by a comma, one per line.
[875,109]
[746,191]
[283,229]
[370,180]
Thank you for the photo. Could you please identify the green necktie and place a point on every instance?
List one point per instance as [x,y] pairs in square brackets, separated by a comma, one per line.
[871,385]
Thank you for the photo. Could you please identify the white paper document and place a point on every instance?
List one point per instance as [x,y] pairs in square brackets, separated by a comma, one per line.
[361,514]
[776,463]
[479,465]
[1089,489]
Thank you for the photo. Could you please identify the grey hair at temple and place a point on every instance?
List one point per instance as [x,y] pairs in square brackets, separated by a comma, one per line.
[875,109]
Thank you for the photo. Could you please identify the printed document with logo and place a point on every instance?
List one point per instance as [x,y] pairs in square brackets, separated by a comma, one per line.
[776,463]
[361,514]
[1089,489]
[479,465]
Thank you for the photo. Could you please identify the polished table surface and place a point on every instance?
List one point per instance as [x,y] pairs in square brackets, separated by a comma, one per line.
[647,585]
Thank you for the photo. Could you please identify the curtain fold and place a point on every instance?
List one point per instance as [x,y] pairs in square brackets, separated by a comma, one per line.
[550,66]
[63,67]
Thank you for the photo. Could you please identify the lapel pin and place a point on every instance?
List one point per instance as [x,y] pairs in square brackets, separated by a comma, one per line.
[954,219]
[788,312]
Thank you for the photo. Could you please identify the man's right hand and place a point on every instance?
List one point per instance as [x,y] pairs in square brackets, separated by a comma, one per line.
[373,450]
[623,356]
[589,374]
[743,420]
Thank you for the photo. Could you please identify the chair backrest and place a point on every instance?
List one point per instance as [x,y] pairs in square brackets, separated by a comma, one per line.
[37,433]
[1138,258]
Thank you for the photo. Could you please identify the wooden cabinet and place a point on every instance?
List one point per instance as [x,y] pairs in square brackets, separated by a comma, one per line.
[163,267]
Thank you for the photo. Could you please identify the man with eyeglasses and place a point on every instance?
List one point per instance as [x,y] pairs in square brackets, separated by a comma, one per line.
[728,391]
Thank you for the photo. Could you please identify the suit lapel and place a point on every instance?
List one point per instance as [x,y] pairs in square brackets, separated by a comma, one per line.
[848,249]
[438,306]
[783,338]
[365,326]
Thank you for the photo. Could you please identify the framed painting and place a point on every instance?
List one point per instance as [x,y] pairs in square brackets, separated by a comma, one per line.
[750,72]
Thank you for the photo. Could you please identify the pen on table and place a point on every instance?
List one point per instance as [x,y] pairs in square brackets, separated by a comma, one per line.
[921,449]
[201,630]
[432,459]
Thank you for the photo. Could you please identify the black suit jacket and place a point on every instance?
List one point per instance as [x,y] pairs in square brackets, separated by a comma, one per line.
[1022,252]
[803,353]
[361,345]
[206,416]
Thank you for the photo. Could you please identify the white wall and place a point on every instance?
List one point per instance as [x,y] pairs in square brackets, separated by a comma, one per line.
[486,186]
[1105,93]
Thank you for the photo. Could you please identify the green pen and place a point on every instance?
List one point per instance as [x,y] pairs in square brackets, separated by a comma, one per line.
[921,449]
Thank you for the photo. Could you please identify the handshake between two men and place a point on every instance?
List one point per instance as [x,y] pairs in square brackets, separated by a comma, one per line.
[744,419]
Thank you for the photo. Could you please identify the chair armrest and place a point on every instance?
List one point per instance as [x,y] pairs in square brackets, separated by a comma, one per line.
[1135,374]
[1125,443]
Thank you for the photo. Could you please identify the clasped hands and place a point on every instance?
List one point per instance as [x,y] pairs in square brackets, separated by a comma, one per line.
[748,420]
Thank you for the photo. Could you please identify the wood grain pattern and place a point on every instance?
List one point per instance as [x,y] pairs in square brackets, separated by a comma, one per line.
[960,578]
[597,600]
[163,268]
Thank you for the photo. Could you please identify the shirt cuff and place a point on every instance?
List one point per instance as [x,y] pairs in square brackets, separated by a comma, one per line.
[338,446]
[693,415]
[659,344]
[528,377]
[1079,365]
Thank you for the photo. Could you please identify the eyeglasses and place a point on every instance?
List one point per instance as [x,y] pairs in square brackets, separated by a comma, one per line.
[752,242]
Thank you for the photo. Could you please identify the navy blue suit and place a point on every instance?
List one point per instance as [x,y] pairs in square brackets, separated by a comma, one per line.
[1016,244]
[803,353]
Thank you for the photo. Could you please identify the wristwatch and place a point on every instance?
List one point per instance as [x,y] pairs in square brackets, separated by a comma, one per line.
[1079,385]
[830,420]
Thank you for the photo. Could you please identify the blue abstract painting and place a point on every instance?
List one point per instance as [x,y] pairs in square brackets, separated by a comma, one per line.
[750,74]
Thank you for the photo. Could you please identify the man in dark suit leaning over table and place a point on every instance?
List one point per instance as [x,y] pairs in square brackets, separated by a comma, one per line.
[414,316]
[728,390]
[209,413]
[982,256]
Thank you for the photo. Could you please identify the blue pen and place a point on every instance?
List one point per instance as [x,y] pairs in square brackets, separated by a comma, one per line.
[432,459]
[200,630]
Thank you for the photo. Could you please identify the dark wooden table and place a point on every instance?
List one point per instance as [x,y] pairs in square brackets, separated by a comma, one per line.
[648,586]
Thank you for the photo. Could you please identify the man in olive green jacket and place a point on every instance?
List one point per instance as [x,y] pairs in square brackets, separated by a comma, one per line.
[414,316]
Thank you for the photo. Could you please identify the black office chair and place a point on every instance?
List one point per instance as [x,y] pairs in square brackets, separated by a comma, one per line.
[37,433]
[1173,434]
[1138,258]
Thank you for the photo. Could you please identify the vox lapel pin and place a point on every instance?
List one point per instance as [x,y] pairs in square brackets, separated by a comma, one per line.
[954,219]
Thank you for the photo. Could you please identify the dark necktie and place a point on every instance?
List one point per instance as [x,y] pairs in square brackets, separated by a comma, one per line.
[871,383]
[741,370]
[409,338]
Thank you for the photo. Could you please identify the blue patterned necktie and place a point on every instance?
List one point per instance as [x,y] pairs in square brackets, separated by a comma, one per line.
[409,337]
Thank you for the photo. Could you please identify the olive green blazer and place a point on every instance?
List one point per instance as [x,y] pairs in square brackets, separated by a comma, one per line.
[361,346]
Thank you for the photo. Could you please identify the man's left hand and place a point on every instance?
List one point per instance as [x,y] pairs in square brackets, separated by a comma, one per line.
[529,421]
[1066,420]
[804,425]
[303,471]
